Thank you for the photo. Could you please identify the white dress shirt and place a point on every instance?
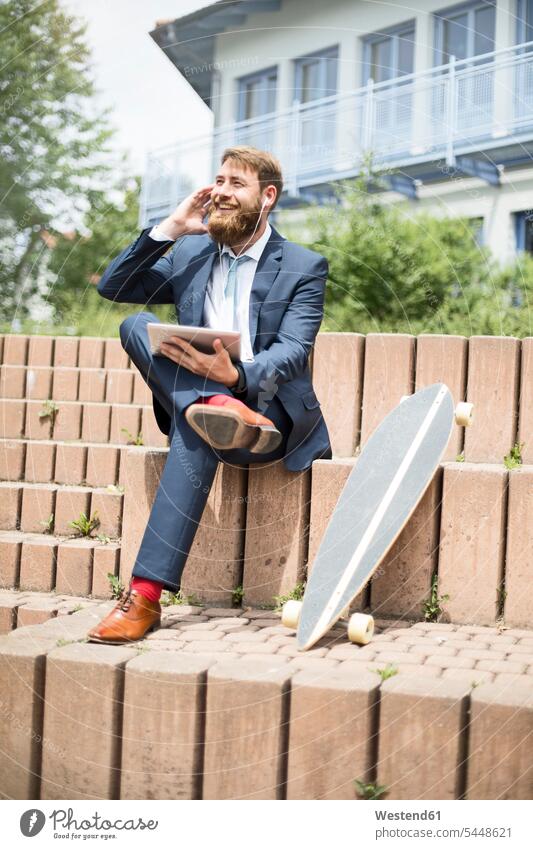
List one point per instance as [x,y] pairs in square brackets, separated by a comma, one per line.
[214,313]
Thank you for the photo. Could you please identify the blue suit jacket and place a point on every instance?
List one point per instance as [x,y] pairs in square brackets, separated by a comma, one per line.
[286,310]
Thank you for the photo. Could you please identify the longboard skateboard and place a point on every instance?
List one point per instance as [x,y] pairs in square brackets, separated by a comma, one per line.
[387,482]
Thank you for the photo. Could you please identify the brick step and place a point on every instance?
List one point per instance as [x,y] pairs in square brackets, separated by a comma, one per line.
[73,463]
[448,690]
[61,383]
[30,507]
[79,420]
[42,563]
[63,351]
[19,608]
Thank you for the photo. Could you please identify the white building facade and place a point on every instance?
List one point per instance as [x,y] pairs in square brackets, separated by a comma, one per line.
[439,96]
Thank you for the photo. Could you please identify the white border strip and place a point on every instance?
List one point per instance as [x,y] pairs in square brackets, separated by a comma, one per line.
[373,525]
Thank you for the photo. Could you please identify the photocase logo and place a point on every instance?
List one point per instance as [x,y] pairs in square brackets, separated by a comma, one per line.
[31,822]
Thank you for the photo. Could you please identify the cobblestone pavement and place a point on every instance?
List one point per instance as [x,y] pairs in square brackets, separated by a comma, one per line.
[466,653]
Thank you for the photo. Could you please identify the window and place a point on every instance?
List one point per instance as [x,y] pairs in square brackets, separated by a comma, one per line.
[524,21]
[389,54]
[465,31]
[256,96]
[524,230]
[315,77]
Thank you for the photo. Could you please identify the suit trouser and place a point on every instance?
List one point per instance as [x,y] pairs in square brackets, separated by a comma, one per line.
[191,463]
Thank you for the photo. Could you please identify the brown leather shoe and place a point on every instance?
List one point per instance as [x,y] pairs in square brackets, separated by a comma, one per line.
[132,617]
[233,426]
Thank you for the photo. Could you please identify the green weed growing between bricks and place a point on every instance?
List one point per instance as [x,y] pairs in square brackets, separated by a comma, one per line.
[514,458]
[431,608]
[48,524]
[370,790]
[133,440]
[295,594]
[168,598]
[388,671]
[115,584]
[237,596]
[85,525]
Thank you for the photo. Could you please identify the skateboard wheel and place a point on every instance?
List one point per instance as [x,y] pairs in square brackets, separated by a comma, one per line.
[464,413]
[290,615]
[360,629]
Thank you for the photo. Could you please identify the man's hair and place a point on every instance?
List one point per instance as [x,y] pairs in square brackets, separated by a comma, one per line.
[266,166]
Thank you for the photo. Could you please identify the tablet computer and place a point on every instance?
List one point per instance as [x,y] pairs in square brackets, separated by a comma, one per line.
[201,338]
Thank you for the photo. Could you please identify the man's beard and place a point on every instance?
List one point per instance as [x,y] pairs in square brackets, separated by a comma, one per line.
[231,228]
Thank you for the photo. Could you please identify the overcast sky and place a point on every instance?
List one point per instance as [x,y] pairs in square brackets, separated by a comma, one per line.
[152,103]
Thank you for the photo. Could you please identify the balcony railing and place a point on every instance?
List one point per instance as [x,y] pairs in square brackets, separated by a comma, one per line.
[479,103]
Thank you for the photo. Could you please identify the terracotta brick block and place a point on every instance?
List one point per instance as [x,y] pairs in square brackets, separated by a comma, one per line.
[12,381]
[442,359]
[493,372]
[277,524]
[12,415]
[338,382]
[38,504]
[245,730]
[33,614]
[165,694]
[108,506]
[105,561]
[22,674]
[421,737]
[38,564]
[66,351]
[91,352]
[92,385]
[525,419]
[10,505]
[71,461]
[402,581]
[519,559]
[115,356]
[40,350]
[330,734]
[75,567]
[102,465]
[8,615]
[70,502]
[141,393]
[65,384]
[37,426]
[12,459]
[96,418]
[388,374]
[10,546]
[67,424]
[15,351]
[501,743]
[152,436]
[327,481]
[39,383]
[214,565]
[140,473]
[119,386]
[125,424]
[86,726]
[40,461]
[472,541]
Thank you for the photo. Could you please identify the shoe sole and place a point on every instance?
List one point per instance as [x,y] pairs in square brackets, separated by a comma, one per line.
[224,429]
[153,627]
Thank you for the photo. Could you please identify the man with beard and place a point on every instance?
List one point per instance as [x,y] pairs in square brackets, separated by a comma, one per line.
[235,273]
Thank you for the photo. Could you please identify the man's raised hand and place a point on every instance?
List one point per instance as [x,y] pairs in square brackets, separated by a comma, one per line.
[188,216]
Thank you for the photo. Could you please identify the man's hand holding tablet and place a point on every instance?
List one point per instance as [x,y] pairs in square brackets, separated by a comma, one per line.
[216,366]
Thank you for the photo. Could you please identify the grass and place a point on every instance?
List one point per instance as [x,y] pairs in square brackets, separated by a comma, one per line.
[85,525]
[514,458]
[117,588]
[168,598]
[460,457]
[237,596]
[370,790]
[388,671]
[133,440]
[49,410]
[295,594]
[431,608]
[48,524]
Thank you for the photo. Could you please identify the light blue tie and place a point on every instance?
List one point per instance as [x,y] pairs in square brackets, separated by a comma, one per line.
[231,291]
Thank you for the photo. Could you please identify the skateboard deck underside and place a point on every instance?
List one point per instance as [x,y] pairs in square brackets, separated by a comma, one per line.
[385,486]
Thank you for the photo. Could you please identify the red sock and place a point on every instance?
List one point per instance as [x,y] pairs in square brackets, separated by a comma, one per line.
[220,400]
[149,589]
